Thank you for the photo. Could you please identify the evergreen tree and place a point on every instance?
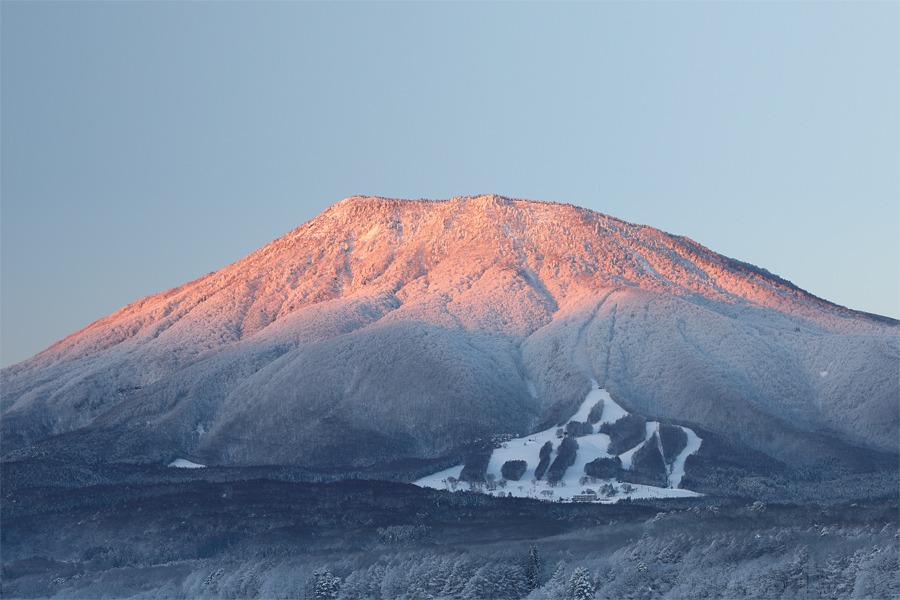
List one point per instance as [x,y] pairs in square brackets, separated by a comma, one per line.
[565,458]
[533,568]
[327,585]
[673,440]
[513,469]
[604,468]
[544,454]
[461,571]
[555,589]
[580,585]
[596,413]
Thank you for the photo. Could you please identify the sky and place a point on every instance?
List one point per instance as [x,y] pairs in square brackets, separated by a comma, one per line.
[143,145]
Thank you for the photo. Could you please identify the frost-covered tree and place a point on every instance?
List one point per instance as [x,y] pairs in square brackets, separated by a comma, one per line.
[878,575]
[555,588]
[609,490]
[581,587]
[533,568]
[363,584]
[327,585]
[460,572]
[495,581]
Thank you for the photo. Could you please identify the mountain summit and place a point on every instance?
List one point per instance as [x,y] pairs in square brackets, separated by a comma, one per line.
[392,332]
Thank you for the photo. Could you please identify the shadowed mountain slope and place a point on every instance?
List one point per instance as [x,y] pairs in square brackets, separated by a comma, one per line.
[390,330]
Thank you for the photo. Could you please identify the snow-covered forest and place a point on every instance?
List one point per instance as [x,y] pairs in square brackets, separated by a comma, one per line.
[857,562]
[737,553]
[259,538]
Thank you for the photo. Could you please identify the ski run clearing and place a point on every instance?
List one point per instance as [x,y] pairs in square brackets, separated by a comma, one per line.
[589,447]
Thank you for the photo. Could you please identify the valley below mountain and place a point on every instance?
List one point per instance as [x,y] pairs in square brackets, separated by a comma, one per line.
[508,357]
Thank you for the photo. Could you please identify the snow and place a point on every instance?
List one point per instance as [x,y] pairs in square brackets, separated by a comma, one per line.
[589,447]
[651,427]
[693,444]
[612,412]
[185,464]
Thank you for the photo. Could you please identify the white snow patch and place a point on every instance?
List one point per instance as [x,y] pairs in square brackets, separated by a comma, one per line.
[693,444]
[439,480]
[525,448]
[625,457]
[185,464]
[823,374]
[612,412]
[593,396]
[589,448]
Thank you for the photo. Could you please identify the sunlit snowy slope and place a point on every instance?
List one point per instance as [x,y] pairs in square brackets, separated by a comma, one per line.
[390,334]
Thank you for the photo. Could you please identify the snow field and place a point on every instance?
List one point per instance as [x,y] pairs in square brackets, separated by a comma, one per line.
[590,447]
[182,463]
[693,444]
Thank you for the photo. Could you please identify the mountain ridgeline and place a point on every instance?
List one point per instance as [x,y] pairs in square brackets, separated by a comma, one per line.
[390,335]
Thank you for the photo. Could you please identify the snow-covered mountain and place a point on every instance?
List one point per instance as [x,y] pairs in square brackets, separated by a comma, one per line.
[390,333]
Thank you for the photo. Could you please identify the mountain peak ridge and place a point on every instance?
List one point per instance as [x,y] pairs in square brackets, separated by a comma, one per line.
[412,248]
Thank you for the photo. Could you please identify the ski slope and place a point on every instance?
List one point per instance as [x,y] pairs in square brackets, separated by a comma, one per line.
[590,447]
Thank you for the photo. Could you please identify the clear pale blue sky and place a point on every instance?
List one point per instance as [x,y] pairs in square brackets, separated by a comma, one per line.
[146,144]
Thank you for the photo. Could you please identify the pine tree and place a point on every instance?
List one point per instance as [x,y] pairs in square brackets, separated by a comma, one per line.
[327,585]
[580,585]
[533,569]
[555,589]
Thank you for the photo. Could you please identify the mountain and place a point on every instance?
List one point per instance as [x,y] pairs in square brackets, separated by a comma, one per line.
[390,335]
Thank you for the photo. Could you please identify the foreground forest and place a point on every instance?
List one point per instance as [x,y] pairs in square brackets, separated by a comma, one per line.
[173,534]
